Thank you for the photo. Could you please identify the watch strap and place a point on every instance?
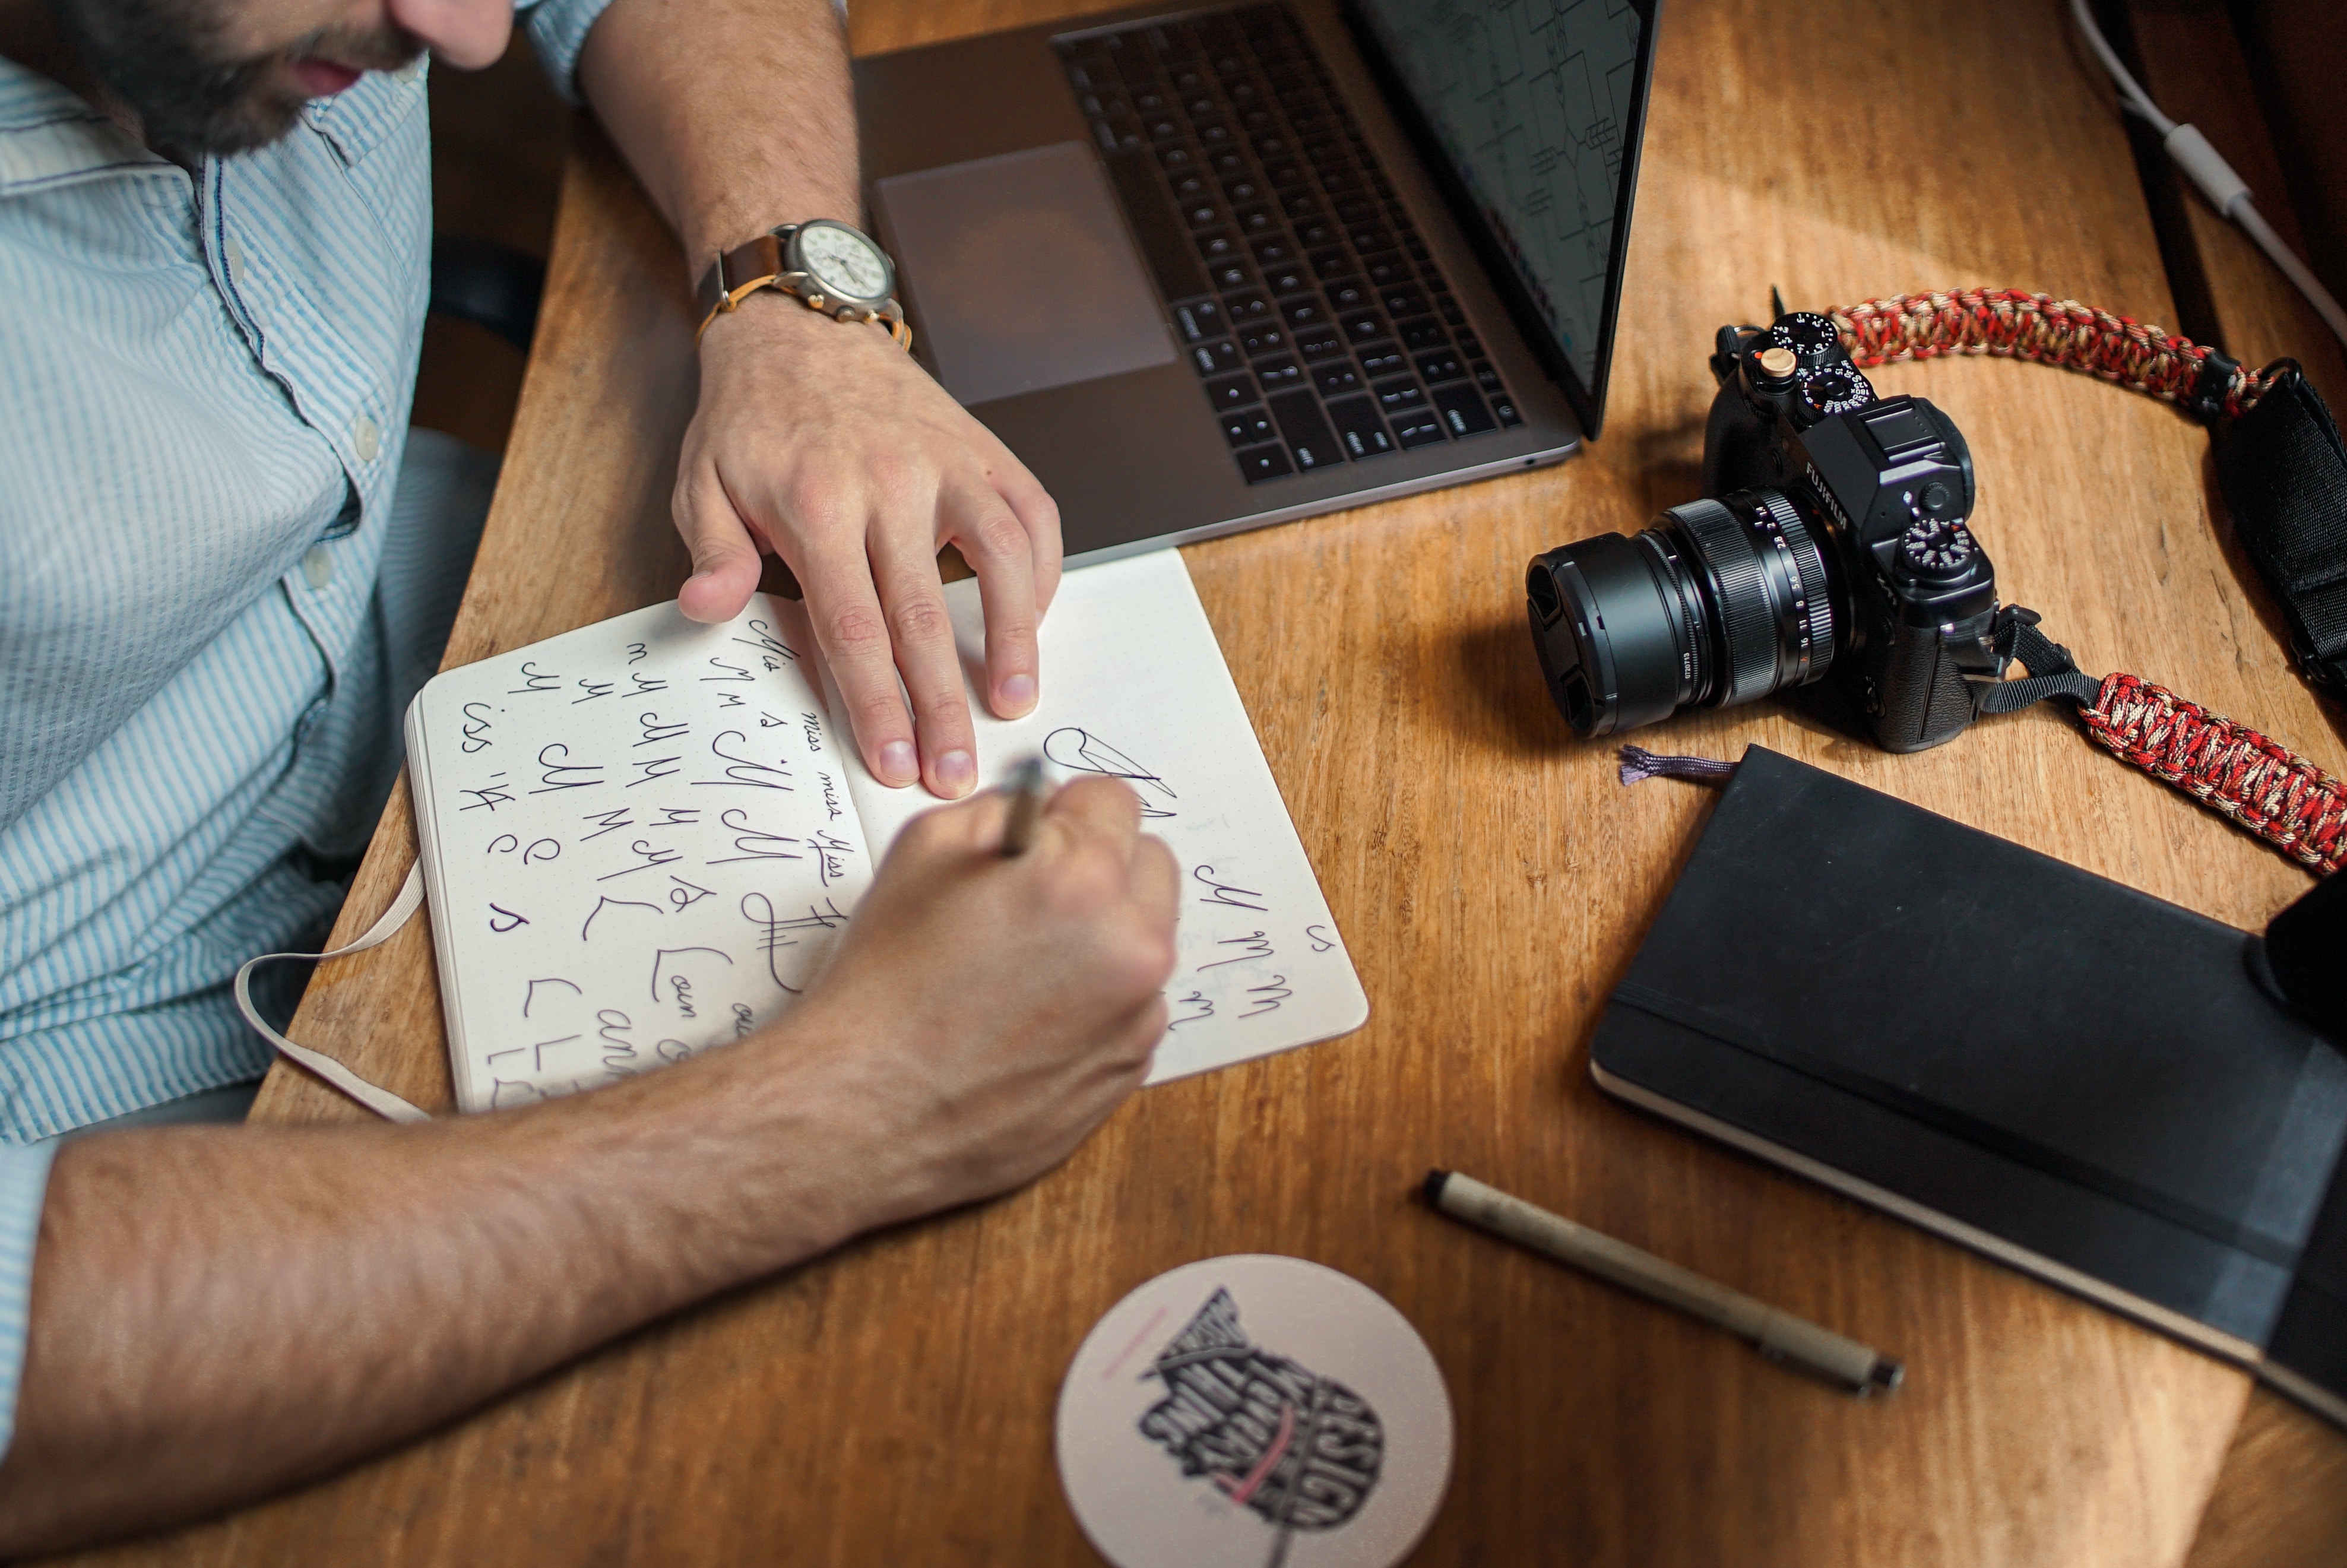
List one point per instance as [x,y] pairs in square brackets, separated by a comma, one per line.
[758,263]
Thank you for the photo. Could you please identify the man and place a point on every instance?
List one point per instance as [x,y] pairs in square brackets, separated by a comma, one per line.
[224,565]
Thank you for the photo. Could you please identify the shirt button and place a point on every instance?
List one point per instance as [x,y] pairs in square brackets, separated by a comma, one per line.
[235,253]
[318,566]
[365,438]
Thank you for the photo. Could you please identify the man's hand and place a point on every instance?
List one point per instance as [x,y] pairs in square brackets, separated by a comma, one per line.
[825,443]
[990,1012]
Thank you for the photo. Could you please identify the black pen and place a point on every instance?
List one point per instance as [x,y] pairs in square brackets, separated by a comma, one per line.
[1026,787]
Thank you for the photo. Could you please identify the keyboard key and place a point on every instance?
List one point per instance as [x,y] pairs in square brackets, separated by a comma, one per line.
[1337,379]
[1369,238]
[1160,233]
[1234,273]
[1261,463]
[1246,309]
[1359,209]
[1503,408]
[1217,358]
[1360,428]
[1398,397]
[1383,360]
[1320,343]
[1418,430]
[1278,375]
[1164,128]
[1402,302]
[1332,262]
[1247,427]
[1198,319]
[1202,214]
[1421,334]
[1448,309]
[1362,325]
[1274,250]
[1462,409]
[1300,204]
[1470,345]
[1178,158]
[1443,365]
[1304,312]
[1261,339]
[1213,134]
[1309,439]
[1348,295]
[1285,174]
[1226,162]
[1288,280]
[1315,233]
[1241,190]
[1386,271]
[1230,391]
[1216,244]
[1189,187]
[1254,222]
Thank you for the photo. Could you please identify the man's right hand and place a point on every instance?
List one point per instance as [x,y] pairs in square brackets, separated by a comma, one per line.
[982,1014]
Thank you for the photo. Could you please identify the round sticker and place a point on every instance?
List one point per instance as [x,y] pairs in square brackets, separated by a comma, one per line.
[1255,1410]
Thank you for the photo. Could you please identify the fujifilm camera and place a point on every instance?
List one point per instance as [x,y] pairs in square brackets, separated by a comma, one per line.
[1836,539]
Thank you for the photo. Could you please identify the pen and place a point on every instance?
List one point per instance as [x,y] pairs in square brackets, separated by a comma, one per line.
[1026,787]
[1779,1336]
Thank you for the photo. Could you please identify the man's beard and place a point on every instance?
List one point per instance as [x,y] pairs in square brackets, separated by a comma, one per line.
[164,60]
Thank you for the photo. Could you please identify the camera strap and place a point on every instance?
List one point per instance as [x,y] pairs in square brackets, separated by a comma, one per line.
[2282,471]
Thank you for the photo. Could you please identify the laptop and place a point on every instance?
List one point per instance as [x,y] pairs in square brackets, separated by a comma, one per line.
[1212,269]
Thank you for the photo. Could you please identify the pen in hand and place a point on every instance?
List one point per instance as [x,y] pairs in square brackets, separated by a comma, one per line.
[1026,788]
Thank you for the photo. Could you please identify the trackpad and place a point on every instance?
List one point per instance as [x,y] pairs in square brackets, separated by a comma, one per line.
[1020,272]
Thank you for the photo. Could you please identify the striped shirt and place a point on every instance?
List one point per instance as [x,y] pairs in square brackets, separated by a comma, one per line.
[225,564]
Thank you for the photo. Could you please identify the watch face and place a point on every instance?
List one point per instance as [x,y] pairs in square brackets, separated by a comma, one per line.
[843,262]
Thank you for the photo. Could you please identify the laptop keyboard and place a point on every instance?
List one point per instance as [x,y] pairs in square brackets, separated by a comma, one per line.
[1315,317]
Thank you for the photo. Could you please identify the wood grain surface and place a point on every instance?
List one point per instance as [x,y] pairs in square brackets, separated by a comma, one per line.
[892,1404]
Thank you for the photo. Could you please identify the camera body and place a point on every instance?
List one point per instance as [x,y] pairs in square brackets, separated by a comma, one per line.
[1835,538]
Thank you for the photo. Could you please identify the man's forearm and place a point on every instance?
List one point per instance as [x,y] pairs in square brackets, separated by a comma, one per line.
[737,115]
[219,1312]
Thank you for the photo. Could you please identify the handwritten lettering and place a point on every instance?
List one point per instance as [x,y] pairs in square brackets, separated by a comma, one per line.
[744,1020]
[659,731]
[772,651]
[731,700]
[831,856]
[674,1051]
[610,1022]
[601,903]
[1320,938]
[646,685]
[1267,996]
[648,858]
[754,843]
[1250,947]
[677,816]
[1223,894]
[502,919]
[612,820]
[637,652]
[534,680]
[555,774]
[812,728]
[529,997]
[660,968]
[732,672]
[1081,751]
[656,768]
[684,894]
[476,729]
[490,796]
[774,931]
[594,689]
[742,771]
[1194,1008]
[539,1049]
[521,1094]
[831,804]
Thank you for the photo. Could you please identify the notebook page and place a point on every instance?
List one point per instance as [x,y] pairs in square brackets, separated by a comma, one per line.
[1135,687]
[638,841]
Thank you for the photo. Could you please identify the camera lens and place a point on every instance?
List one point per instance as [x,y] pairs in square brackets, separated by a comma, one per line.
[1716,603]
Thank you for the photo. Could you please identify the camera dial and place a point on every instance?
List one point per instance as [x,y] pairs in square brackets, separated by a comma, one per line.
[1936,551]
[1812,338]
[1833,389]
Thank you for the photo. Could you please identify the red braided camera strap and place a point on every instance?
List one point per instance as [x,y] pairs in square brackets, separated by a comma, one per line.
[2263,787]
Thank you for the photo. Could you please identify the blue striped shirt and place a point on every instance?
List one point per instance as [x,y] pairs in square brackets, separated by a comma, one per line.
[225,564]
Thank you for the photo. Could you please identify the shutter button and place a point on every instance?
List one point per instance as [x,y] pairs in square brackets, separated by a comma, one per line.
[365,438]
[318,566]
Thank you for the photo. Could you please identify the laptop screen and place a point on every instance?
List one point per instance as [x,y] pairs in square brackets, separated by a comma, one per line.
[1536,108]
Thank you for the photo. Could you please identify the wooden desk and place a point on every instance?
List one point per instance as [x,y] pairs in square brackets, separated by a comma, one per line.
[892,1404]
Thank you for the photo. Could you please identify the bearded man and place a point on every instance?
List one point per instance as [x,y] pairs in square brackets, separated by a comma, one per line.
[225,565]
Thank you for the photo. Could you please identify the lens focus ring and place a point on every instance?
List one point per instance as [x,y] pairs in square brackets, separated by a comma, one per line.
[1746,621]
[1817,607]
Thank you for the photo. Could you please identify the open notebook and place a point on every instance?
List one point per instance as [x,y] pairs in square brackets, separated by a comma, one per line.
[641,837]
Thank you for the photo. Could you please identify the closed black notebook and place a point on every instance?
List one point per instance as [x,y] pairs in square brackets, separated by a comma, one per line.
[2074,1077]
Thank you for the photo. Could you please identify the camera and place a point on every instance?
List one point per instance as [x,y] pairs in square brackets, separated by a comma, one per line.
[1834,537]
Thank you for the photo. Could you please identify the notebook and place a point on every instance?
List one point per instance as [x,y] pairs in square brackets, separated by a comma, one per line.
[641,839]
[2071,1076]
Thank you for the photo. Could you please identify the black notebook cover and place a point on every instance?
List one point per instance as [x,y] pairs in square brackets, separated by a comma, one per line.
[2072,1076]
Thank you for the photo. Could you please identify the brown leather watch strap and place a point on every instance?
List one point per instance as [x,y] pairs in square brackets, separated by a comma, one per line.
[737,272]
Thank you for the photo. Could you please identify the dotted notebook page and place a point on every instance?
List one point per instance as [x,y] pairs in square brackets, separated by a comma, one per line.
[1135,687]
[638,842]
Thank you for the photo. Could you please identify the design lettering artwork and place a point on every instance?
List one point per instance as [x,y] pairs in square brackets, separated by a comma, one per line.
[1299,1450]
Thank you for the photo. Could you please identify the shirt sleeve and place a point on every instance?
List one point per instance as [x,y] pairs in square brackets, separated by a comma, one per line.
[24,1182]
[558,29]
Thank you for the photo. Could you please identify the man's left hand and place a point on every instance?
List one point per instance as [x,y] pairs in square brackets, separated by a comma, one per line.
[825,443]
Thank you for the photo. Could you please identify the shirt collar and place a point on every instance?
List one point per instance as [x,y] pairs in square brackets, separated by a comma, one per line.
[51,136]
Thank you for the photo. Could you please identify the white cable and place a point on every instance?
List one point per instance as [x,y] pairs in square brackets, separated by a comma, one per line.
[2226,191]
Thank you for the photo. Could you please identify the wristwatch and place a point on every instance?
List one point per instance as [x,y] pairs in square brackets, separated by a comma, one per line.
[828,265]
